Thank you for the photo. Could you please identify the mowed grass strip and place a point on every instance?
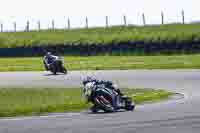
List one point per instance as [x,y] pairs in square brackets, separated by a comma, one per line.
[148,34]
[23,101]
[36,101]
[105,62]
[147,95]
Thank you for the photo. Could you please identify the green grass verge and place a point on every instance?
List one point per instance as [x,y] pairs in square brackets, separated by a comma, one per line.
[148,34]
[105,63]
[36,101]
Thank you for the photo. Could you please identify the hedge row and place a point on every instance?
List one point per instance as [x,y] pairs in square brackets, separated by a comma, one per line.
[106,36]
[122,48]
[117,40]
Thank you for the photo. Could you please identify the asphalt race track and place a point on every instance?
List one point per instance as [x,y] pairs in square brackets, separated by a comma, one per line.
[174,116]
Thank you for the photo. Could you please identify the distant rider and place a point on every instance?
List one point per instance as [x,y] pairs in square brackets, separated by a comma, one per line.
[49,59]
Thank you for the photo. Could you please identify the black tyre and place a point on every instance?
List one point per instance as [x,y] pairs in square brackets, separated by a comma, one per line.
[130,107]
[129,104]
[54,70]
[94,109]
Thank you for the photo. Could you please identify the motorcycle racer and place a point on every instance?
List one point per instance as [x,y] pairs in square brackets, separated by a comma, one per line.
[91,86]
[48,59]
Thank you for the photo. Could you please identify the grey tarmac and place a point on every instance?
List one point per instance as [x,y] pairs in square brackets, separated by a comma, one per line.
[175,116]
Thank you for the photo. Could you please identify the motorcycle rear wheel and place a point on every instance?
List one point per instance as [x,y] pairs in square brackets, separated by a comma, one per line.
[129,104]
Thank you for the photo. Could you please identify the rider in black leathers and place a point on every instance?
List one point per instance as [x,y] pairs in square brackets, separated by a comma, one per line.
[108,85]
[48,59]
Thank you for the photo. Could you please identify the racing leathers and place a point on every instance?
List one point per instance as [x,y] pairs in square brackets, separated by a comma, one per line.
[48,60]
[115,92]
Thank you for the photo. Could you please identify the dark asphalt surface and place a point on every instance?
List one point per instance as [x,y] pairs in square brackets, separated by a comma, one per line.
[174,116]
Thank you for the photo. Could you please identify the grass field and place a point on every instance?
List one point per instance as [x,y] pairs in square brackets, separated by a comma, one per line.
[105,63]
[104,36]
[36,101]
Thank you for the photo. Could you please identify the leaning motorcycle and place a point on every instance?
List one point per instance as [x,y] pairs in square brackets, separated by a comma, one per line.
[103,99]
[57,66]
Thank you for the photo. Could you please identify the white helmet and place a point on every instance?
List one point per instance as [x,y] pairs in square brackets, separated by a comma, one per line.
[88,87]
